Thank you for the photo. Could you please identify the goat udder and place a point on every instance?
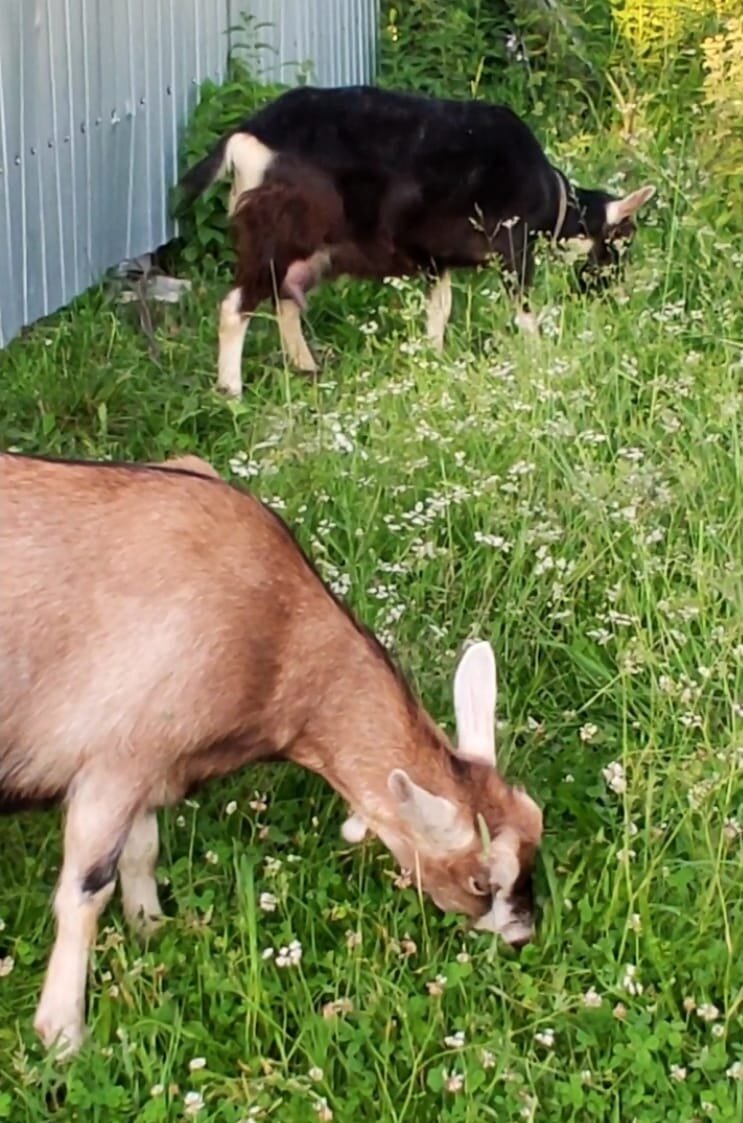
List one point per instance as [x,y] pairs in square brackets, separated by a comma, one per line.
[300,277]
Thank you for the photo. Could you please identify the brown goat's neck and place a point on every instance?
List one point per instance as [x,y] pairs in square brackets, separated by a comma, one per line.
[355,740]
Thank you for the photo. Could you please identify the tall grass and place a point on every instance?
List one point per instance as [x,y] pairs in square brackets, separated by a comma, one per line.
[576,499]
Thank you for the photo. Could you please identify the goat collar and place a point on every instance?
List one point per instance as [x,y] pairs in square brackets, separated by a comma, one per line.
[562,209]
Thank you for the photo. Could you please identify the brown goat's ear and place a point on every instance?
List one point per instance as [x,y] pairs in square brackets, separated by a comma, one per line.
[619,209]
[475,694]
[433,818]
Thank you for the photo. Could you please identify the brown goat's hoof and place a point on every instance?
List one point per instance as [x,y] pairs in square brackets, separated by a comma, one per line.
[60,1033]
[231,393]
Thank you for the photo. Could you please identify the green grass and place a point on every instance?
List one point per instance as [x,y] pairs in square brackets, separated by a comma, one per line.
[576,499]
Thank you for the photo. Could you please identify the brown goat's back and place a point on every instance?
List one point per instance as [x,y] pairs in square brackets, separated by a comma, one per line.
[143,613]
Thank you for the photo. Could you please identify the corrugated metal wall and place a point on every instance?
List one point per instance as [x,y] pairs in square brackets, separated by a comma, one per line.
[338,38]
[93,95]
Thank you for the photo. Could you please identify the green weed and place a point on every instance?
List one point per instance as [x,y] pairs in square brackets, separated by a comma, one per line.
[576,499]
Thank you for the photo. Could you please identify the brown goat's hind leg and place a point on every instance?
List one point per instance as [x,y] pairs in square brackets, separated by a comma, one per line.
[233,323]
[96,827]
[293,342]
[137,875]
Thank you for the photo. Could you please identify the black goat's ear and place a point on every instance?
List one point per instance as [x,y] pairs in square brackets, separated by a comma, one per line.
[619,209]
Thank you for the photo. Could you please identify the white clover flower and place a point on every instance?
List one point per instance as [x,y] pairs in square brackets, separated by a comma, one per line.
[267,953]
[453,1081]
[193,1103]
[629,981]
[315,1074]
[496,541]
[546,1038]
[231,808]
[211,857]
[289,956]
[267,902]
[339,1006]
[677,1073]
[708,1012]
[436,987]
[157,1090]
[197,1063]
[615,777]
[592,999]
[323,1110]
[455,1040]
[487,1059]
[6,966]
[588,732]
[735,1072]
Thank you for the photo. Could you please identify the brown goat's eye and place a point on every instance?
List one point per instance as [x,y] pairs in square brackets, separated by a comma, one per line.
[480,886]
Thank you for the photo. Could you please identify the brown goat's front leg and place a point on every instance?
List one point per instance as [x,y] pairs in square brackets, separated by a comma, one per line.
[96,827]
[233,323]
[137,875]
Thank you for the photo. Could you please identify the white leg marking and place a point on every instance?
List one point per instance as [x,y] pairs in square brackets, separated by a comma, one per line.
[438,310]
[354,829]
[232,327]
[137,875]
[292,338]
[94,822]
[526,322]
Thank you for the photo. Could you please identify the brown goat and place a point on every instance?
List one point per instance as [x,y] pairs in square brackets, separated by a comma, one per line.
[158,628]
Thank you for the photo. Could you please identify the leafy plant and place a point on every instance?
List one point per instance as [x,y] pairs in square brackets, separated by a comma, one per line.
[203,224]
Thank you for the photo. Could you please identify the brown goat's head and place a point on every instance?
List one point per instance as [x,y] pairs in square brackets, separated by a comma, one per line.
[471,848]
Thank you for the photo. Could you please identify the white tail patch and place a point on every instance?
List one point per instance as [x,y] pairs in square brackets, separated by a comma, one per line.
[475,695]
[248,160]
[619,209]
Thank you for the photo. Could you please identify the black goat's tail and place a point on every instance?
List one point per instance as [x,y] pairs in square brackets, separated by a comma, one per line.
[202,175]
